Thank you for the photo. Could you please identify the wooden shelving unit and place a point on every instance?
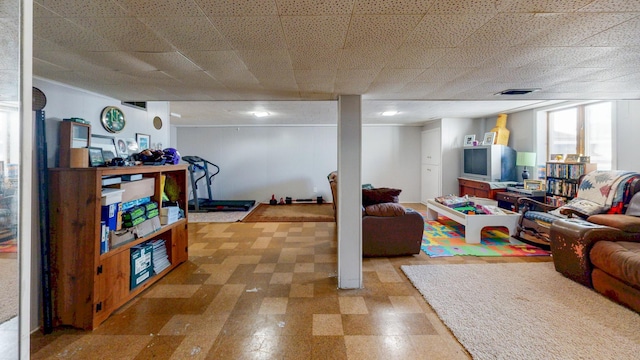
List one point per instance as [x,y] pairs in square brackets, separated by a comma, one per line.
[88,286]
[562,180]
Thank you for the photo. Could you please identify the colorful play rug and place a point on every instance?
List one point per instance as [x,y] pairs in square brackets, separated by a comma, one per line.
[445,237]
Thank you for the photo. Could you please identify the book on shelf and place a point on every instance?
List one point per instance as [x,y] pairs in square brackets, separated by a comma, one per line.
[160,256]
[111,180]
[132,177]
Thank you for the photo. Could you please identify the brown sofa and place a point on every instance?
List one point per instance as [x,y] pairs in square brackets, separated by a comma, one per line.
[395,231]
[601,252]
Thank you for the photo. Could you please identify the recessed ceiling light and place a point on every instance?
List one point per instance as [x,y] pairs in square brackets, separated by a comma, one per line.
[260,113]
[390,113]
[517,91]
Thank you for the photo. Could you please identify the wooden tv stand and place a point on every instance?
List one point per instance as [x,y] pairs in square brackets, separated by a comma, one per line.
[483,189]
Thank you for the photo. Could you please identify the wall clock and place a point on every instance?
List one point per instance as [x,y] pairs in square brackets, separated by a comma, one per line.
[112,119]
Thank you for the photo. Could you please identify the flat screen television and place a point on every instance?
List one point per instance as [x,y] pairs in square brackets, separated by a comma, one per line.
[489,163]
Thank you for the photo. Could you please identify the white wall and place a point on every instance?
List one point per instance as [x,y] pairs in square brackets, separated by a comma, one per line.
[65,102]
[391,158]
[257,161]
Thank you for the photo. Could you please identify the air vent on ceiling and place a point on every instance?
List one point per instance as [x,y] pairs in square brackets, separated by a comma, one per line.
[142,105]
[517,91]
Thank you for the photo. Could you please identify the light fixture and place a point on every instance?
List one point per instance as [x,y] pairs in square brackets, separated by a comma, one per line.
[390,113]
[525,159]
[175,115]
[260,114]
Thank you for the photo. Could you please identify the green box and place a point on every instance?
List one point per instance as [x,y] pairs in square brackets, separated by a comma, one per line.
[141,264]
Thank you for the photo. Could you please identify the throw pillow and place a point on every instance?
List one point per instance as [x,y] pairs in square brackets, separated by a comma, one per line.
[583,206]
[385,209]
[380,195]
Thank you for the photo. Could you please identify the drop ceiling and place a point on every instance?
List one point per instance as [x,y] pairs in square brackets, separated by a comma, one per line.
[431,58]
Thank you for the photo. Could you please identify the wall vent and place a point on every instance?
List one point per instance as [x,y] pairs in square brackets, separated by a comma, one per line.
[142,105]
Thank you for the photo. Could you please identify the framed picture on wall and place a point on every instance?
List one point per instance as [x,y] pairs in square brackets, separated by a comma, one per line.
[107,144]
[469,139]
[144,141]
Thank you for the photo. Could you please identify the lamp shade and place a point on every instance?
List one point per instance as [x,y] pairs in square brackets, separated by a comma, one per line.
[526,159]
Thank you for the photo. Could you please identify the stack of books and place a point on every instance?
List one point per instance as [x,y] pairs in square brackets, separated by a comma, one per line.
[160,257]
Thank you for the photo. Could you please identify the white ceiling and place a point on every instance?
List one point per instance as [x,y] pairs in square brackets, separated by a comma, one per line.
[293,50]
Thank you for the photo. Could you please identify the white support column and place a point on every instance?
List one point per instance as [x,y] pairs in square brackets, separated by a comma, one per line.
[349,192]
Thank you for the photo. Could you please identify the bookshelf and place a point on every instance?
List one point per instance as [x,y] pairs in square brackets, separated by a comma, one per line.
[562,180]
[87,286]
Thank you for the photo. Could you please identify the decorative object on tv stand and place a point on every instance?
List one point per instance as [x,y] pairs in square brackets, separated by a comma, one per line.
[525,159]
[572,158]
[489,138]
[502,133]
[469,139]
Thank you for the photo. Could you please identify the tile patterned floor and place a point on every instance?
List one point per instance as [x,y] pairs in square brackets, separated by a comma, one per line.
[269,291]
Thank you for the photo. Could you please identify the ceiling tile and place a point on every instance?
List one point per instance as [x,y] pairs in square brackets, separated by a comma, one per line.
[161,8]
[238,7]
[188,33]
[390,7]
[612,6]
[314,7]
[309,32]
[314,58]
[376,30]
[464,7]
[126,33]
[64,33]
[413,57]
[465,57]
[504,30]
[251,32]
[10,44]
[216,60]
[445,30]
[397,75]
[571,56]
[371,57]
[84,8]
[540,6]
[568,29]
[10,9]
[167,61]
[265,59]
[624,34]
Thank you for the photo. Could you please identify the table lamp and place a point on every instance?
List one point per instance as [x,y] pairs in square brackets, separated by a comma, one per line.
[525,159]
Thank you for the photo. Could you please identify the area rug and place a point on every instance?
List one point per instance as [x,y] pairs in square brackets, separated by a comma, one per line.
[445,237]
[291,213]
[10,246]
[526,311]
[219,216]
[9,286]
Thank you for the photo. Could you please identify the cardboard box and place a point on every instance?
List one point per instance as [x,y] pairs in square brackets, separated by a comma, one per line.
[134,190]
[117,238]
[111,196]
[147,227]
[109,215]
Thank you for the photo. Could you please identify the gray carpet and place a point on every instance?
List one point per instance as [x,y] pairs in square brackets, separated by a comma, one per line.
[526,311]
[8,289]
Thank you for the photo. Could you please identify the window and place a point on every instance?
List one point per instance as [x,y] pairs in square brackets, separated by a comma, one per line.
[585,130]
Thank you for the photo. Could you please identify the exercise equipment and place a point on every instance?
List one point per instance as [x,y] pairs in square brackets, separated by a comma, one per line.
[198,164]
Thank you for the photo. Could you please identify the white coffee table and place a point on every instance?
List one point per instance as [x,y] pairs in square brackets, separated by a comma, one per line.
[473,224]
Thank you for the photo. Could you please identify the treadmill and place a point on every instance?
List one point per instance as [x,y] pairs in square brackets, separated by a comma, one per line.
[198,164]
